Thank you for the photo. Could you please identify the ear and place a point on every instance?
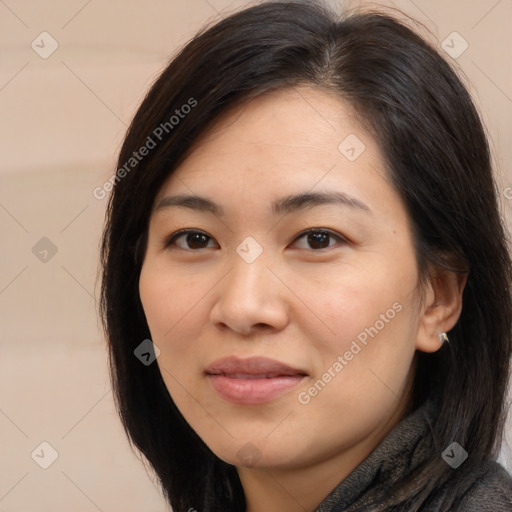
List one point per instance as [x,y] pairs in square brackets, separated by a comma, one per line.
[440,309]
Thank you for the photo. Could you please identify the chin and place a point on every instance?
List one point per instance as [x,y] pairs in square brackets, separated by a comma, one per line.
[259,453]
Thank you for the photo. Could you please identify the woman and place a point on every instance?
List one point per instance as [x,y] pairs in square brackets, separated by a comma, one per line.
[304,224]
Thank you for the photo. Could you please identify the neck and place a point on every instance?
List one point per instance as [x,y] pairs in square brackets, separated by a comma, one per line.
[302,489]
[279,491]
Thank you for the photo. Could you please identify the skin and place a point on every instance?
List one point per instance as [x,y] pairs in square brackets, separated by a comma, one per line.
[296,303]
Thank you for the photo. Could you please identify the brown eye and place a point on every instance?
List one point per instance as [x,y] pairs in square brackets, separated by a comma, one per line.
[190,240]
[318,239]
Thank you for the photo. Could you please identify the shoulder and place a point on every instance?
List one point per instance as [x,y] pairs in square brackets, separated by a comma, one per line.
[490,490]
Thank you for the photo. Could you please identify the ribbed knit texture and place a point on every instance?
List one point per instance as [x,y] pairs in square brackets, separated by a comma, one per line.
[489,487]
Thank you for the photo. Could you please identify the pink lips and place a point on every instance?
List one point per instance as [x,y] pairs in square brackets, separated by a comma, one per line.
[252,381]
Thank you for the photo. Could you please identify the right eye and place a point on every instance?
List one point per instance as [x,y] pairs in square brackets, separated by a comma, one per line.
[189,239]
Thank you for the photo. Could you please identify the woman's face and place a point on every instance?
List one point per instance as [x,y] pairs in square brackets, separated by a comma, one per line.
[282,346]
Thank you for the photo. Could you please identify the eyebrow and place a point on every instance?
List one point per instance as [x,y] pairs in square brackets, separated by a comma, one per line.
[283,206]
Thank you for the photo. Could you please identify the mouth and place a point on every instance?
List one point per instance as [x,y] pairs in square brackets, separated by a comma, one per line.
[253,381]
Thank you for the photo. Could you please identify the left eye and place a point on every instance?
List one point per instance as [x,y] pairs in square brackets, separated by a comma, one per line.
[188,239]
[319,239]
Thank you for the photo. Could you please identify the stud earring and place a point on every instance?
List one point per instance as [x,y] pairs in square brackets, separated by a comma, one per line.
[443,337]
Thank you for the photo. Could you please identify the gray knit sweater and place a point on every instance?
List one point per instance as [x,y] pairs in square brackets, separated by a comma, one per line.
[487,488]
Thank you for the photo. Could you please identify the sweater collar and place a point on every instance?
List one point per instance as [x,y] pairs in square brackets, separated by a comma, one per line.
[402,450]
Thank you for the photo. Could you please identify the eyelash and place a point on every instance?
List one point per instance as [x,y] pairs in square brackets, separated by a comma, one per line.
[172,239]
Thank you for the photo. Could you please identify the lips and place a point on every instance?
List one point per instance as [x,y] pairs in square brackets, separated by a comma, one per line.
[254,367]
[252,381]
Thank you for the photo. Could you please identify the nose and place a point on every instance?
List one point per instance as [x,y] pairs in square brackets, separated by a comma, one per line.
[250,299]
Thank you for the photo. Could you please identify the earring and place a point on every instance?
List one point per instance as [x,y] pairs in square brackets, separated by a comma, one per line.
[443,338]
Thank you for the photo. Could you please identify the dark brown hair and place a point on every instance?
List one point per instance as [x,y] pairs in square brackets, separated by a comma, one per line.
[437,154]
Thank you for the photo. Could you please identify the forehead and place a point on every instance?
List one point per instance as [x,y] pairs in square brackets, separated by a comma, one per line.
[281,143]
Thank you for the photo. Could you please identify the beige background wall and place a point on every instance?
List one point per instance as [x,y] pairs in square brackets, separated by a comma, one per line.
[62,120]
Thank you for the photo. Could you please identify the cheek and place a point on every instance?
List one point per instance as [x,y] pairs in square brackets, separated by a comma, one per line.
[176,308]
[370,299]
[372,348]
[367,347]
[168,301]
[168,307]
